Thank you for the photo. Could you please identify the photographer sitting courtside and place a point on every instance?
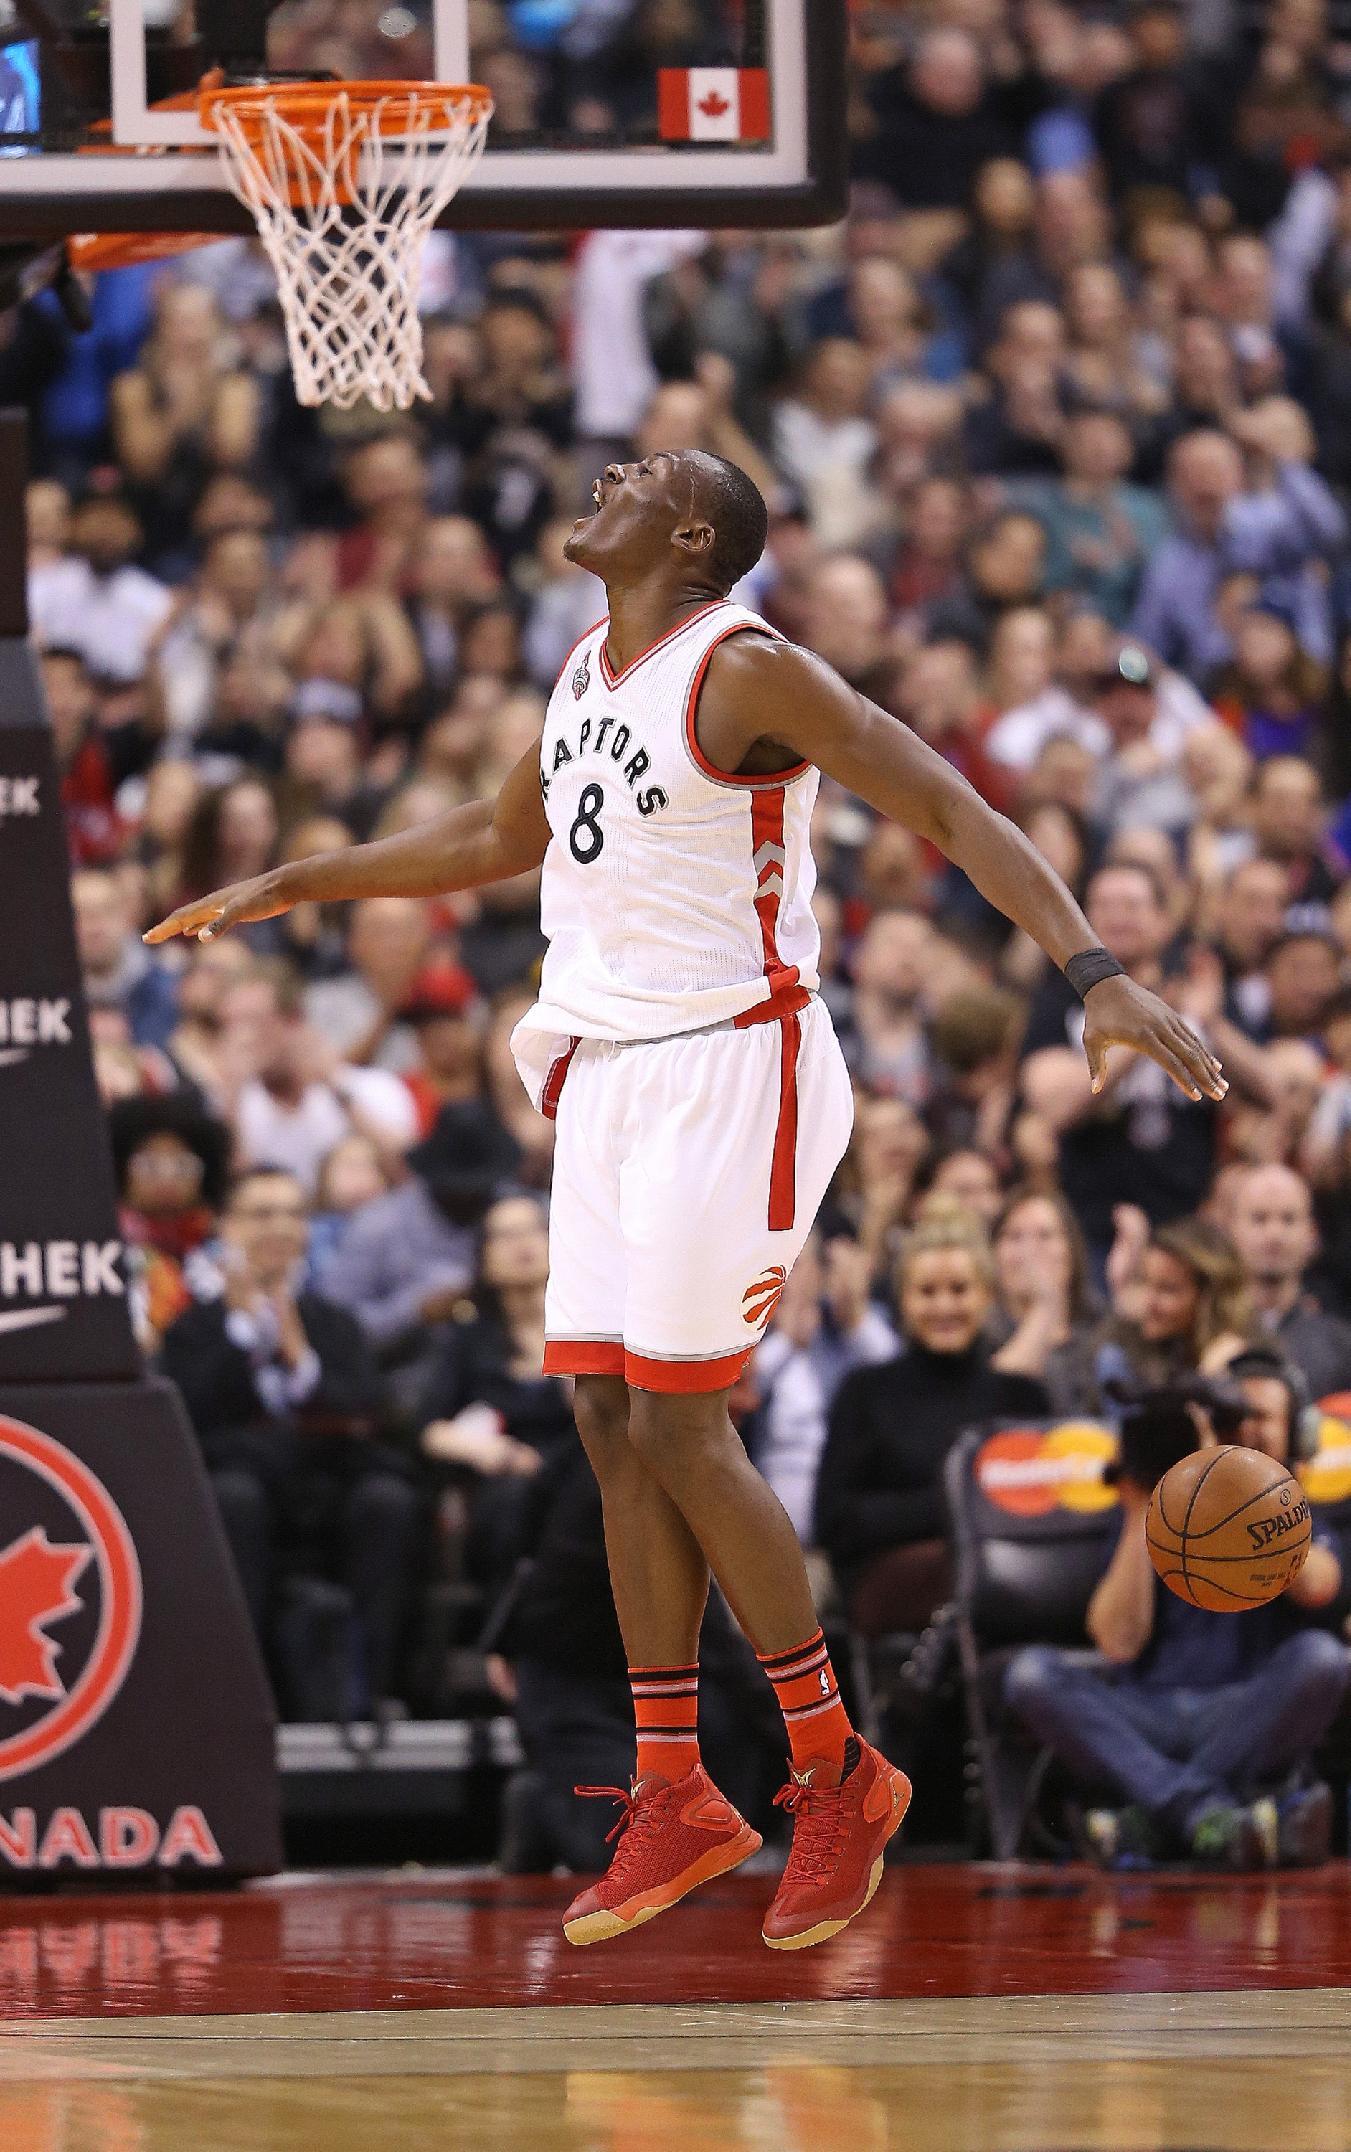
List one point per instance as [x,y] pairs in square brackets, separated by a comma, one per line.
[1195,1715]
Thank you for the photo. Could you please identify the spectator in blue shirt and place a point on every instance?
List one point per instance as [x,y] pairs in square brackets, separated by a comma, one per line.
[1281,527]
[1194,1715]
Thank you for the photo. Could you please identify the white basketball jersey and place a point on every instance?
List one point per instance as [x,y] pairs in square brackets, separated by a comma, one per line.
[674,895]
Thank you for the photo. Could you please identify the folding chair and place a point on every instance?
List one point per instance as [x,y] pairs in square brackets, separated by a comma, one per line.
[1033,1529]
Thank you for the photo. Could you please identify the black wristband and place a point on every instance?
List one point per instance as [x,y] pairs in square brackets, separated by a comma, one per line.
[1090,968]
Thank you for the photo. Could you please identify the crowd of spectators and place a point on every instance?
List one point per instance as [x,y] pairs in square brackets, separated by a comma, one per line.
[1054,435]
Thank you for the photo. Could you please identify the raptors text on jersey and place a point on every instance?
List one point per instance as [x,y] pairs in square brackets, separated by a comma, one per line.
[674,895]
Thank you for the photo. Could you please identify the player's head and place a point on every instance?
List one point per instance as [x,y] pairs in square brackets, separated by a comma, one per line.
[684,510]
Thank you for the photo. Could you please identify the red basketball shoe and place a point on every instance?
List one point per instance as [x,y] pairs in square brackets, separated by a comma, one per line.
[673,1835]
[838,1835]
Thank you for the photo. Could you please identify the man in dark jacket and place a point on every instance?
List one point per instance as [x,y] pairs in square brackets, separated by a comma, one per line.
[283,1392]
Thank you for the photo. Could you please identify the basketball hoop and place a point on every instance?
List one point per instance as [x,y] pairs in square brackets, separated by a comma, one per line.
[346,179]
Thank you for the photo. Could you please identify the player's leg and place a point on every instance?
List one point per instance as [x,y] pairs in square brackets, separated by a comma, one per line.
[679,1831]
[740,1135]
[658,1570]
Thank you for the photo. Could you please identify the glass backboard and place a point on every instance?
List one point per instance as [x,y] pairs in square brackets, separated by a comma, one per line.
[608,112]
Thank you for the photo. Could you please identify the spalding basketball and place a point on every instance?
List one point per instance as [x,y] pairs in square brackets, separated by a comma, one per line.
[1228,1528]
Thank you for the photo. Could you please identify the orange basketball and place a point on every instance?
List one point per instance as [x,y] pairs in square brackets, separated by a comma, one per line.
[1228,1528]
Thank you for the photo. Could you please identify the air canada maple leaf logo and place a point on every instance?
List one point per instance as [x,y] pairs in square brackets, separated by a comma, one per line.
[36,1581]
[70,1599]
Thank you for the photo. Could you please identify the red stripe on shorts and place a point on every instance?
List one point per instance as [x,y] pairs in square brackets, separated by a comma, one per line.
[783,1169]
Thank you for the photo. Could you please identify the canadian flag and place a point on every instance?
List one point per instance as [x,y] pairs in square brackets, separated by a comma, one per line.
[713,104]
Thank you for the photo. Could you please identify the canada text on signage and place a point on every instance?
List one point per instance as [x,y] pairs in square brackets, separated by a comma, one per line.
[29,1022]
[108,1838]
[55,1272]
[18,796]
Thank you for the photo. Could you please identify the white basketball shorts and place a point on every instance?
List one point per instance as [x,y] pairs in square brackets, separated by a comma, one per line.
[687,1176]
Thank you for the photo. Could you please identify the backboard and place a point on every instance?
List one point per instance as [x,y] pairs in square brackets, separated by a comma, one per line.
[669,113]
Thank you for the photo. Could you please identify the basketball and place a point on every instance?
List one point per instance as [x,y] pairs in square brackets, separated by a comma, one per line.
[1228,1528]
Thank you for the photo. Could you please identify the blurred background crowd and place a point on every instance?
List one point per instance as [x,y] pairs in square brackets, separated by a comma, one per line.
[1054,432]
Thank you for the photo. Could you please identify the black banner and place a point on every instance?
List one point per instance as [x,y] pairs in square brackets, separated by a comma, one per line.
[136,1727]
[63,1305]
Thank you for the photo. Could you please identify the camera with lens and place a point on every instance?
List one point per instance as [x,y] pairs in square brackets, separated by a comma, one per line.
[1162,1424]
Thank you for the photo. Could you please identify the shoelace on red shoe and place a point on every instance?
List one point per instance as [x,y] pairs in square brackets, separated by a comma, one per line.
[638,1819]
[818,1829]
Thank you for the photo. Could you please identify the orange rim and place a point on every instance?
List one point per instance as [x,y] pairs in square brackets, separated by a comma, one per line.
[91,252]
[390,107]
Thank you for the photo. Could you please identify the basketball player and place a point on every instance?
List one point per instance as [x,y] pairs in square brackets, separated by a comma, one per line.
[702,1106]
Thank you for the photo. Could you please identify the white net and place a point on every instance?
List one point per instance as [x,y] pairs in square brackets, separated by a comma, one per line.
[345,185]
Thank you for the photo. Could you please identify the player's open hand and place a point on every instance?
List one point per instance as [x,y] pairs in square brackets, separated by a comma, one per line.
[265,897]
[1117,1012]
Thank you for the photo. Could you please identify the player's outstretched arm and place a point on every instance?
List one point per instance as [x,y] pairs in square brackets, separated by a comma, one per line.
[485,841]
[758,689]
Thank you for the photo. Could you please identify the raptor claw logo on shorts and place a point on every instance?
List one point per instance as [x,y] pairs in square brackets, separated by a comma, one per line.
[70,1599]
[581,679]
[759,1300]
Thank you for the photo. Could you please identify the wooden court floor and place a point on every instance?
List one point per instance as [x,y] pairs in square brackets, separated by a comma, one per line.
[975,2010]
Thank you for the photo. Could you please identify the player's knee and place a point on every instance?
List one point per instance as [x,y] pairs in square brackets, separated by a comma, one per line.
[600,1407]
[672,1432]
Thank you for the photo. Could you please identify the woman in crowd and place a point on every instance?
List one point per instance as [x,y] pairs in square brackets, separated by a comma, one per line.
[354,1173]
[490,1413]
[879,1497]
[1180,1306]
[1041,1279]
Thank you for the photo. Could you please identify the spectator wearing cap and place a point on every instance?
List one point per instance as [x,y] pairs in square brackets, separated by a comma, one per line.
[1282,525]
[358,1014]
[1085,656]
[442,1012]
[1272,1225]
[1140,785]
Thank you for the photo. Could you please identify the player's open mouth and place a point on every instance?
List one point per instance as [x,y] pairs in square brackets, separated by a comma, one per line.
[598,496]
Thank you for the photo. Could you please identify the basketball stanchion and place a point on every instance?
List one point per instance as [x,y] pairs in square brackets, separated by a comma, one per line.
[137,1736]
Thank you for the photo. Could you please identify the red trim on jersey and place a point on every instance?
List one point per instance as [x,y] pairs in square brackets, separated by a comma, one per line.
[789,1001]
[583,1356]
[613,678]
[555,1080]
[682,1378]
[771,778]
[783,1167]
[767,828]
[578,644]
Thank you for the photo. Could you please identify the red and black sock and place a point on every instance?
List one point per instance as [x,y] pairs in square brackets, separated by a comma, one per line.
[809,1698]
[666,1713]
